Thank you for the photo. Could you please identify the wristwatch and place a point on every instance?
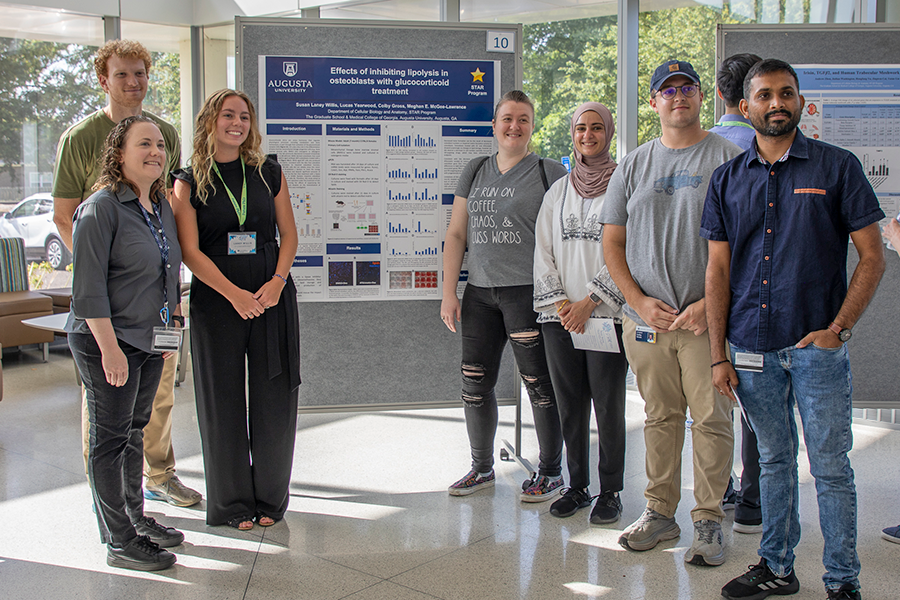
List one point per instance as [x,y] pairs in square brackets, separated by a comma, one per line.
[178,319]
[843,334]
[595,298]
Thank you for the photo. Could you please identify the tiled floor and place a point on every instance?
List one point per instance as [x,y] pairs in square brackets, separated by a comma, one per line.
[370,517]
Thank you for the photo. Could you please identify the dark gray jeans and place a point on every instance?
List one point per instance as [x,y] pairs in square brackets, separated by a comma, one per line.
[490,316]
[117,419]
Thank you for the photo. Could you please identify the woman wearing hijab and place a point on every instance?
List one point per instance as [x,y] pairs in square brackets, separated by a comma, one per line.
[572,290]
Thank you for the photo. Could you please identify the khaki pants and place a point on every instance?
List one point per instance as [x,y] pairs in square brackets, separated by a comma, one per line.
[673,375]
[159,456]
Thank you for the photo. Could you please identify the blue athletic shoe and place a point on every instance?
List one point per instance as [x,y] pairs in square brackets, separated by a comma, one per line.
[891,534]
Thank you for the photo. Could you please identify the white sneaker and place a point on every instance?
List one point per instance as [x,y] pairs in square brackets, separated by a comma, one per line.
[707,549]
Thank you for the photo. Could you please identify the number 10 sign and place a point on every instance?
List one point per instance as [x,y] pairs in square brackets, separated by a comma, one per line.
[501,41]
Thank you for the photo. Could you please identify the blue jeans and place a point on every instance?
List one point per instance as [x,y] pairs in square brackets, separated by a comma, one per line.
[819,381]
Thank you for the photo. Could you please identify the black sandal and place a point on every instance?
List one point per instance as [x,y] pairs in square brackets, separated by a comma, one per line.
[267,523]
[240,523]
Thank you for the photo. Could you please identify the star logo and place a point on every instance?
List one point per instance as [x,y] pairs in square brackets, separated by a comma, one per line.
[477,75]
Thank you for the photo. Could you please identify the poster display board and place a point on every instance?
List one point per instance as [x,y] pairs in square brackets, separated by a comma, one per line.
[849,76]
[857,107]
[372,149]
[373,121]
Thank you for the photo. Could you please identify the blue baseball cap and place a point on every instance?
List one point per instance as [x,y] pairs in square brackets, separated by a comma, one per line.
[671,68]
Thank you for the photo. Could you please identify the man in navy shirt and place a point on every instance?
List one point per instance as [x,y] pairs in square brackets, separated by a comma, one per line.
[736,128]
[733,126]
[778,218]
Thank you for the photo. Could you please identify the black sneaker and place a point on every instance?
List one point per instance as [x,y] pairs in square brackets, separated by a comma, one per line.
[845,592]
[164,537]
[759,582]
[729,500]
[140,554]
[608,508]
[570,502]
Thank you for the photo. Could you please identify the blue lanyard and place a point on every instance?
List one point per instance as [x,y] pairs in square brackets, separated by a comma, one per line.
[162,242]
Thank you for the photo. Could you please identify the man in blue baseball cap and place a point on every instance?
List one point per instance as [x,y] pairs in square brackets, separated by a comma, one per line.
[654,252]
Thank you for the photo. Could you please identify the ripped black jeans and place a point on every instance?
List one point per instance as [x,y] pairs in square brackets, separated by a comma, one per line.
[490,316]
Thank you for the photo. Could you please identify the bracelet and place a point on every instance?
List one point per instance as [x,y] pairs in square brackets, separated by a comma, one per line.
[279,277]
[564,302]
[721,362]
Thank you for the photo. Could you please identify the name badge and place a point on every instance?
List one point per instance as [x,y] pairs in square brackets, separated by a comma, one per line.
[166,339]
[747,361]
[645,334]
[242,242]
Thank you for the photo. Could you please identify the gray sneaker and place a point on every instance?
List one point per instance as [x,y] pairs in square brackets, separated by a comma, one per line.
[707,550]
[650,529]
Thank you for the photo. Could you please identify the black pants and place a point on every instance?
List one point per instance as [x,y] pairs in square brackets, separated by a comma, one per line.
[117,418]
[248,440]
[490,316]
[747,508]
[582,378]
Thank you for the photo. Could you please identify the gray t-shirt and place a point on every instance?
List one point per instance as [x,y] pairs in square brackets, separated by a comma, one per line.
[657,193]
[502,211]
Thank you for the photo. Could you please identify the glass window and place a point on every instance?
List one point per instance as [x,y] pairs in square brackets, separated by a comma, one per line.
[689,33]
[567,63]
[47,84]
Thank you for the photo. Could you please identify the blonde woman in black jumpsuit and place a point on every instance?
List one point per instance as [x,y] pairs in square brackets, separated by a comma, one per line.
[243,307]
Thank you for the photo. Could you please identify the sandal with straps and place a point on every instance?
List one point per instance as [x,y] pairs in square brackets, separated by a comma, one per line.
[241,523]
[264,520]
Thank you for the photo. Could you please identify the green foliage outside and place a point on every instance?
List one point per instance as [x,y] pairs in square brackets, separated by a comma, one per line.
[40,82]
[568,63]
[54,85]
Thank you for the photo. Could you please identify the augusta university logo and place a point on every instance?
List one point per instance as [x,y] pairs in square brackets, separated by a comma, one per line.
[290,69]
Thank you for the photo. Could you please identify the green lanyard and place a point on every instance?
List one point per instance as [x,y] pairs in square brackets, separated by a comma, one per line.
[734,124]
[242,209]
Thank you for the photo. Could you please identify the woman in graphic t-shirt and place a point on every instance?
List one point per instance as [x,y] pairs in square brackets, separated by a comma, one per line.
[497,201]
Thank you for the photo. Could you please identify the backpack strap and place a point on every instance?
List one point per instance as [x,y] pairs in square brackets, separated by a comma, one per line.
[543,174]
[481,163]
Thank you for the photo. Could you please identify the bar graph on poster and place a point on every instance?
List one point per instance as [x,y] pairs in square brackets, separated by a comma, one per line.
[372,149]
[857,107]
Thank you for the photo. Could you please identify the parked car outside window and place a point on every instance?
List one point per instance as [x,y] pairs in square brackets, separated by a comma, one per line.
[32,220]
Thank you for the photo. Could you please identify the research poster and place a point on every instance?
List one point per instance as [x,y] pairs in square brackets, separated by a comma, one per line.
[372,150]
[857,107]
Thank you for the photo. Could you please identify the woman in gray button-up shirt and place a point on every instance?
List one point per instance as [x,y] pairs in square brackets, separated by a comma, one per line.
[126,262]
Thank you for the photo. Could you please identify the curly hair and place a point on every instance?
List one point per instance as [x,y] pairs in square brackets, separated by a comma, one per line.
[206,145]
[111,175]
[122,49]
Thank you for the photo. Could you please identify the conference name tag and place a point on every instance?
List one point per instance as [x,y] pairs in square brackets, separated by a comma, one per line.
[166,339]
[747,361]
[241,242]
[645,334]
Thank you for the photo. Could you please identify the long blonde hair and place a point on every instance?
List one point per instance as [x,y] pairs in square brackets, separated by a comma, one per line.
[205,144]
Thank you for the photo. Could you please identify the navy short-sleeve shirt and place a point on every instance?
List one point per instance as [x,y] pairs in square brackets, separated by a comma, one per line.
[788,225]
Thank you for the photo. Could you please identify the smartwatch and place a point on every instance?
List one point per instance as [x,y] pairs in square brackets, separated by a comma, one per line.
[843,334]
[595,298]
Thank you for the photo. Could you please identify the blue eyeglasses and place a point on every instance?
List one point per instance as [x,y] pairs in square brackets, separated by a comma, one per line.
[689,90]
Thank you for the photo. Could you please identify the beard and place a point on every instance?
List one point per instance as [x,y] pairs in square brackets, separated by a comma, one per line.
[762,124]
